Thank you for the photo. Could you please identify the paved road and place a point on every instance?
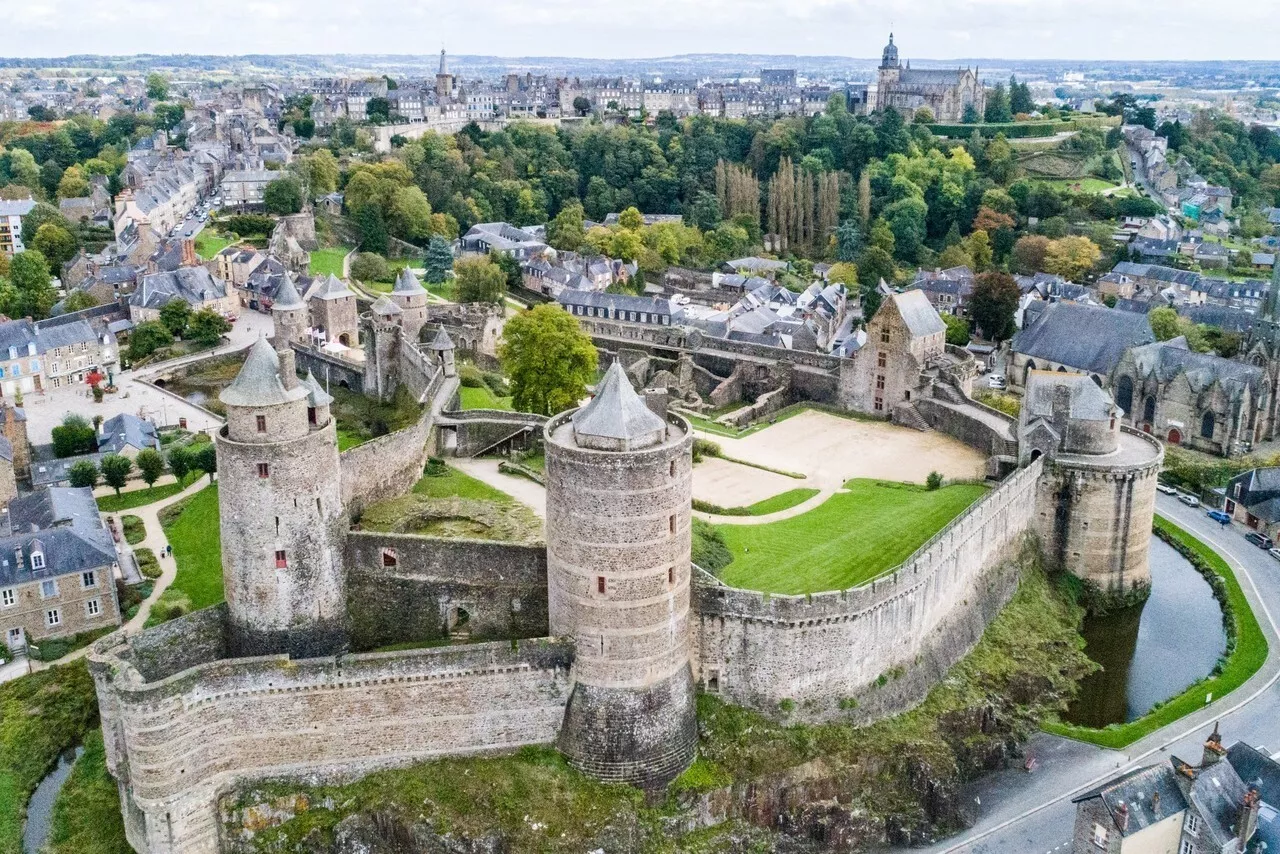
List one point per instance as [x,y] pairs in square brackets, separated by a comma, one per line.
[1020,813]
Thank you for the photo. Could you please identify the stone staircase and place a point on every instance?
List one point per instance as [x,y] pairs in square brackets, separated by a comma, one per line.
[906,415]
[947,392]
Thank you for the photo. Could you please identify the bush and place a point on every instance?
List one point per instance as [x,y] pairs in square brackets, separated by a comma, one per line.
[496,383]
[709,549]
[368,267]
[435,467]
[704,448]
[469,376]
[147,563]
[933,481]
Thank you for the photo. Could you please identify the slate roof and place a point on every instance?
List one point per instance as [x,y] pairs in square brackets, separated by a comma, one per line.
[286,297]
[1135,792]
[316,396]
[16,335]
[1166,360]
[66,551]
[1086,337]
[384,307]
[126,430]
[258,383]
[918,314]
[330,288]
[1087,401]
[196,285]
[50,336]
[19,207]
[616,411]
[442,341]
[407,283]
[617,302]
[55,505]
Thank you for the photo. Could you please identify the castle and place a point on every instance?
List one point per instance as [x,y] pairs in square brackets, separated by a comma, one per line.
[947,92]
[597,641]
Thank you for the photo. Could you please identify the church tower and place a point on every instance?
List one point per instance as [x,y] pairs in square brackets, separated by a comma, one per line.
[618,537]
[280,503]
[1263,349]
[890,68]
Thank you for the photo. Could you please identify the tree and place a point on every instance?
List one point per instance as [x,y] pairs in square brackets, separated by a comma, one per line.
[369,267]
[994,301]
[581,105]
[79,301]
[74,436]
[157,86]
[1020,100]
[989,220]
[844,273]
[1164,323]
[378,110]
[978,245]
[83,474]
[957,330]
[510,268]
[174,315]
[116,470]
[180,461]
[705,211]
[439,259]
[283,196]
[875,264]
[479,280]
[206,327]
[630,219]
[923,116]
[549,359]
[206,459]
[1071,257]
[74,184]
[998,110]
[1028,254]
[970,115]
[169,116]
[321,172]
[409,216]
[32,294]
[848,238]
[146,338]
[565,232]
[56,244]
[150,465]
[373,228]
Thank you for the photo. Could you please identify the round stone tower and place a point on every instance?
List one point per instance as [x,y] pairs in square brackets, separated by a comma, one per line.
[282,520]
[382,347]
[289,315]
[412,299]
[618,513]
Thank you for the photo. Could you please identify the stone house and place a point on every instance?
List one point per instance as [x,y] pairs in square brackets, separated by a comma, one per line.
[196,285]
[126,434]
[948,290]
[904,337]
[243,188]
[71,348]
[1226,803]
[57,576]
[1074,338]
[19,359]
[1253,499]
[1204,401]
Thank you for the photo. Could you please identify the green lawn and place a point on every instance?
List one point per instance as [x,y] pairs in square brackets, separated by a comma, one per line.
[86,815]
[851,538]
[1246,653]
[1083,185]
[327,261]
[708,425]
[457,484]
[139,497]
[482,398]
[192,529]
[448,289]
[782,501]
[210,243]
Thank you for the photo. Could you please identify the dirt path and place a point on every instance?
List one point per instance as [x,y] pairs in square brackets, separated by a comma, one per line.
[528,493]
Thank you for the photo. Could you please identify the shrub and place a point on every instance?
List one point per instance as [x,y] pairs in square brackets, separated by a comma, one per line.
[368,267]
[435,467]
[933,481]
[709,549]
[704,448]
[469,376]
[496,383]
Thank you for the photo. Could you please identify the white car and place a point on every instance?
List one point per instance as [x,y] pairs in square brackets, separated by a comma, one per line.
[1275,553]
[1166,489]
[1189,500]
[996,381]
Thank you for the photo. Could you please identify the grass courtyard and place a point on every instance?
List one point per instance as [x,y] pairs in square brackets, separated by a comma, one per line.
[328,261]
[482,398]
[853,537]
[192,529]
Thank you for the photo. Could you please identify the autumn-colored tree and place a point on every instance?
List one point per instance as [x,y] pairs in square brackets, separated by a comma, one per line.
[1028,254]
[1071,257]
[989,220]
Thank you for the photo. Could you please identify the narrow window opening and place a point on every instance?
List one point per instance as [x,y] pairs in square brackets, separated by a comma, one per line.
[264,470]
[671,575]
[389,557]
[673,468]
[262,423]
[600,584]
[277,526]
[671,523]
[282,560]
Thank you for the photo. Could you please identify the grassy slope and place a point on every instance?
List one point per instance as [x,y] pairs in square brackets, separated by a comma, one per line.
[1241,661]
[86,816]
[139,497]
[482,398]
[781,501]
[328,261]
[197,549]
[455,483]
[41,715]
[853,537]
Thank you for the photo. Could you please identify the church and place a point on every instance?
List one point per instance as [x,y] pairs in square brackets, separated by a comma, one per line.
[945,91]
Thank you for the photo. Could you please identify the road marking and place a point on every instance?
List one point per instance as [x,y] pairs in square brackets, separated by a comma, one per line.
[1226,554]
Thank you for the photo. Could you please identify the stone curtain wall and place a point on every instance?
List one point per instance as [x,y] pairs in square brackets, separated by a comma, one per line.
[178,743]
[480,429]
[502,587]
[330,371]
[758,650]
[976,425]
[388,466]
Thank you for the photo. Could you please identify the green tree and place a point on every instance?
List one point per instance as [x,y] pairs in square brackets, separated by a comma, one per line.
[206,327]
[79,301]
[998,105]
[994,301]
[373,228]
[565,232]
[116,470]
[56,244]
[1071,257]
[479,280]
[321,171]
[369,267]
[42,214]
[1020,100]
[83,474]
[174,315]
[630,219]
[180,461]
[146,338]
[378,110]
[970,115]
[549,359]
[205,458]
[581,105]
[157,86]
[283,196]
[957,330]
[150,465]
[32,293]
[1165,323]
[848,238]
[510,268]
[169,116]
[409,216]
[875,264]
[923,116]
[439,260]
[74,436]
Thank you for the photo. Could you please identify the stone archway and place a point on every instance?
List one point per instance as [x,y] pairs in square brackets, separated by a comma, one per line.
[1175,436]
[345,339]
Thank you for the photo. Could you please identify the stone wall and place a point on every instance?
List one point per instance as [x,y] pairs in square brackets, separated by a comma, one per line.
[329,370]
[757,649]
[177,743]
[387,466]
[977,426]
[499,589]
[477,430]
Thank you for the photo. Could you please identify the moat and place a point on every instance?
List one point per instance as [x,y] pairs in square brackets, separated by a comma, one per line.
[1153,652]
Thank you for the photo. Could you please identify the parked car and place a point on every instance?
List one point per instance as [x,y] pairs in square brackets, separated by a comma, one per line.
[1166,489]
[996,381]
[1274,552]
[1262,541]
[1189,500]
[1218,516]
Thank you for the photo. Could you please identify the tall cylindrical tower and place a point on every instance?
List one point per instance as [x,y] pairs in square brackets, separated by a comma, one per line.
[618,513]
[282,520]
[412,299]
[288,315]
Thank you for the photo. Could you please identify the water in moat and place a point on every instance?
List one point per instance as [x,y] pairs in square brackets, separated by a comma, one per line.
[1153,652]
[40,807]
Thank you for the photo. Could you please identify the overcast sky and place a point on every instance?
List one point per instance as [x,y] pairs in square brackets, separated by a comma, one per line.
[932,29]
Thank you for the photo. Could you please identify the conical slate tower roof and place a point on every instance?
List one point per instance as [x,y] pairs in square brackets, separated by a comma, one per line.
[258,383]
[616,418]
[407,283]
[316,396]
[442,341]
[287,297]
[385,307]
[332,288]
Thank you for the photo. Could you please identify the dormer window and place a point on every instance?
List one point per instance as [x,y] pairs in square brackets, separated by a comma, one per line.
[37,560]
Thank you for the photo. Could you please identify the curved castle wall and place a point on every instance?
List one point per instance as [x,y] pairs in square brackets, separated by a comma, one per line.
[757,649]
[190,735]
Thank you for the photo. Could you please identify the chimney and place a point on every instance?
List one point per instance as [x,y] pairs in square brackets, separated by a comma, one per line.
[189,258]
[1155,804]
[1122,817]
[1213,749]
[1247,820]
